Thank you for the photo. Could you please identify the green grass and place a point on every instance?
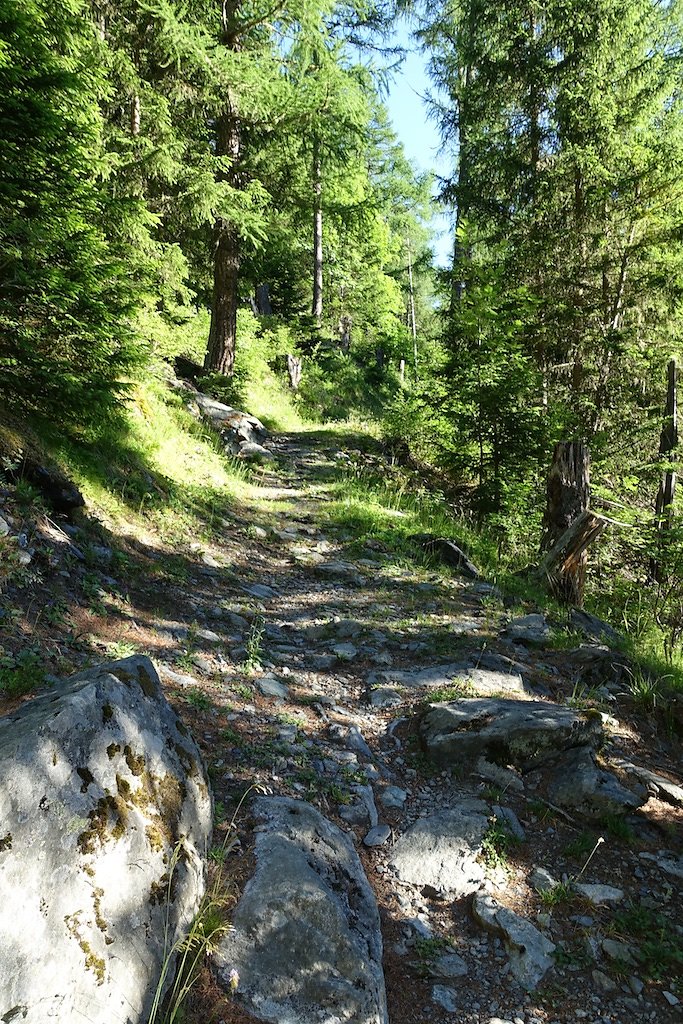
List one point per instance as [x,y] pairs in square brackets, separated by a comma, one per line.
[457,689]
[619,828]
[497,844]
[559,893]
[580,847]
[196,698]
[657,946]
[21,674]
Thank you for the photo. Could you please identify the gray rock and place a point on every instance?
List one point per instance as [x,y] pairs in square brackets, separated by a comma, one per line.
[445,997]
[259,590]
[524,732]
[252,451]
[603,982]
[599,894]
[384,697]
[305,936]
[442,850]
[344,570]
[345,652]
[437,676]
[529,950]
[176,678]
[666,861]
[209,636]
[541,880]
[636,985]
[269,686]
[579,785]
[354,814]
[447,552]
[321,661]
[667,790]
[100,782]
[377,836]
[671,999]
[486,683]
[593,627]
[618,951]
[529,629]
[4,527]
[234,427]
[393,797]
[510,820]
[448,965]
[346,629]
[504,778]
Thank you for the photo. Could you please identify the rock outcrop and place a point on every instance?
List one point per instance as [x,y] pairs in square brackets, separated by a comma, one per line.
[105,815]
[519,732]
[305,937]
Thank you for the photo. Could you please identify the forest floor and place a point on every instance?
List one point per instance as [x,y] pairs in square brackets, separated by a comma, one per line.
[297,594]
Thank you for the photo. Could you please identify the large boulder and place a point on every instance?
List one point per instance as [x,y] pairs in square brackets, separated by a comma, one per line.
[105,815]
[305,937]
[519,732]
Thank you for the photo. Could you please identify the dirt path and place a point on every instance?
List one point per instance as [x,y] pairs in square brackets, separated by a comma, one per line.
[291,647]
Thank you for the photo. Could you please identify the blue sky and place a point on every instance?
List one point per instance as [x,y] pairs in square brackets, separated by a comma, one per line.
[417,132]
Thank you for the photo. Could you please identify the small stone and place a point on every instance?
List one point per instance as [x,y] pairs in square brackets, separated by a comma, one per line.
[393,797]
[377,836]
[510,820]
[384,697]
[541,880]
[202,663]
[449,965]
[636,985]
[4,527]
[602,982]
[445,997]
[354,814]
[259,532]
[345,652]
[320,662]
[599,894]
[671,999]
[269,686]
[617,951]
[259,590]
[209,636]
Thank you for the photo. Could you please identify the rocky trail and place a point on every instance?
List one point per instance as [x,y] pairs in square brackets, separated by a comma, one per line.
[456,818]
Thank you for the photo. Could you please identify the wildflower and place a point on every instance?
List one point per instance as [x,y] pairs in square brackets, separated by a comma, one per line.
[234,980]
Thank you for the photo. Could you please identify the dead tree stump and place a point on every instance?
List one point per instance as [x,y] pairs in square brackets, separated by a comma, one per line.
[567,498]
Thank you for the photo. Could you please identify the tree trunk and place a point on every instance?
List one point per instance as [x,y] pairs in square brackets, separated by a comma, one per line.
[220,353]
[135,112]
[317,308]
[263,304]
[667,444]
[294,370]
[567,498]
[413,324]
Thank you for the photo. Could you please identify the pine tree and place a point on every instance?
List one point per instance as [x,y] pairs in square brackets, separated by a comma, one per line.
[65,297]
